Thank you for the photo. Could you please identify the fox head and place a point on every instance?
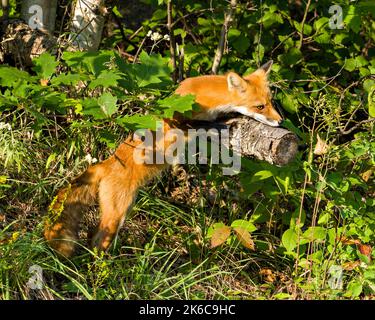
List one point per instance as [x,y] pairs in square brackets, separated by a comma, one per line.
[217,94]
[251,96]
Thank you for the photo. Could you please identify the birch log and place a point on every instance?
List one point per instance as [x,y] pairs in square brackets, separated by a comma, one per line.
[253,139]
[87,24]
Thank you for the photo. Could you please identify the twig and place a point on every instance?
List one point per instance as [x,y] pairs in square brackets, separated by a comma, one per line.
[331,79]
[181,58]
[223,36]
[123,35]
[260,33]
[136,32]
[359,124]
[172,40]
[139,50]
[188,29]
[303,24]
[197,12]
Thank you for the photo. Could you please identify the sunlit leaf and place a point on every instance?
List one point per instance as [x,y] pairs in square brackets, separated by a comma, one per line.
[244,237]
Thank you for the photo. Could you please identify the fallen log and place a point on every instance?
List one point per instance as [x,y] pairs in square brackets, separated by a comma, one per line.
[253,139]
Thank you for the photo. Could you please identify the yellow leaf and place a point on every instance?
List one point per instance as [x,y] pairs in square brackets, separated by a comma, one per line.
[244,236]
[44,82]
[367,174]
[219,236]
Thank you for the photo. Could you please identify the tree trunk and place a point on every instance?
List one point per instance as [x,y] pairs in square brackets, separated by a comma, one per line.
[87,24]
[228,18]
[5,8]
[39,14]
[251,138]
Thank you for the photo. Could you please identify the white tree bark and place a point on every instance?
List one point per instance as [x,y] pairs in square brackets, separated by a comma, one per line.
[87,24]
[39,14]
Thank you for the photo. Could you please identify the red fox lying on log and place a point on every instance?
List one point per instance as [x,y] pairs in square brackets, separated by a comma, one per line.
[115,181]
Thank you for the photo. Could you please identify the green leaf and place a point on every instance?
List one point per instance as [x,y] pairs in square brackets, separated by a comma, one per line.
[116,12]
[108,138]
[291,57]
[137,121]
[50,159]
[45,65]
[321,23]
[10,76]
[92,108]
[289,240]
[354,289]
[247,225]
[108,103]
[152,69]
[93,62]
[66,79]
[241,44]
[106,79]
[282,296]
[313,234]
[324,218]
[307,29]
[353,18]
[350,64]
[288,102]
[271,18]
[261,175]
[177,103]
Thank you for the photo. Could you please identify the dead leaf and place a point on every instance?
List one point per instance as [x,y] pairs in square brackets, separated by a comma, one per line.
[365,249]
[321,146]
[348,241]
[219,236]
[244,236]
[268,275]
[367,174]
[44,82]
[351,265]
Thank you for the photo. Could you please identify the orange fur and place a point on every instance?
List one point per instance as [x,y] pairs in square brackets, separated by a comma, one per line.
[115,181]
[232,93]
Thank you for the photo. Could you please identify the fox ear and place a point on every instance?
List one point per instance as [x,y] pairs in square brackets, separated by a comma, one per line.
[266,67]
[235,82]
[264,70]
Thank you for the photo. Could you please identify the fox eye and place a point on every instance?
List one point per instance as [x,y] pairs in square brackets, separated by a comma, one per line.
[261,107]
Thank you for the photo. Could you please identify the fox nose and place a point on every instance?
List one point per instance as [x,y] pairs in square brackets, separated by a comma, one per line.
[281,122]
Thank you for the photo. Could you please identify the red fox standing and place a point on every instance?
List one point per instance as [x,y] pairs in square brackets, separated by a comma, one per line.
[115,181]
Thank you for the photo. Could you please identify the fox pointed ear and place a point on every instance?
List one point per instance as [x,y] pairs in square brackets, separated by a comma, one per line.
[264,70]
[235,82]
[266,67]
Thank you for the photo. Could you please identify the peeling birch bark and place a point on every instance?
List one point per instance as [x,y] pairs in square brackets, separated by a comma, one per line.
[87,24]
